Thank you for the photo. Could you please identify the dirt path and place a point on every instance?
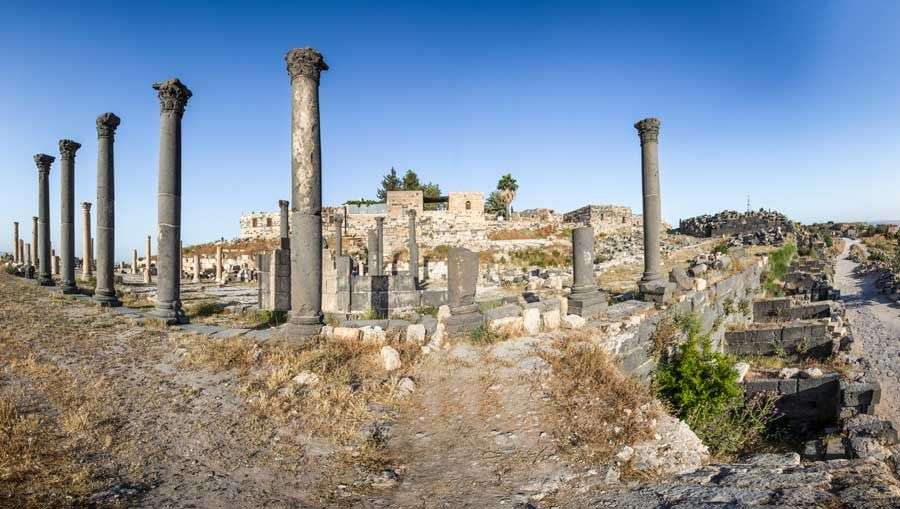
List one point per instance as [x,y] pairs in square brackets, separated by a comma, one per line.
[875,321]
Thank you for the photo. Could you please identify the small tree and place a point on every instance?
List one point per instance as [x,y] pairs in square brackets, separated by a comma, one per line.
[506,189]
[390,182]
[494,205]
[411,181]
[431,190]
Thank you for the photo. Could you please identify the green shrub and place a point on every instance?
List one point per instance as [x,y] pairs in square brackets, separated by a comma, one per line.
[9,269]
[272,317]
[721,247]
[779,263]
[483,335]
[701,387]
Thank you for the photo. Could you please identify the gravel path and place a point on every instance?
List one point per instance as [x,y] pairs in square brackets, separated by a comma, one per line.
[875,322]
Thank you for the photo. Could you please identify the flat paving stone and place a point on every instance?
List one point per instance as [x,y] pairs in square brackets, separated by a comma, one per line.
[199,328]
[230,333]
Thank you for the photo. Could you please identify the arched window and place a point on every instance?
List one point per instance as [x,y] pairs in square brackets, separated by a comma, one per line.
[468,205]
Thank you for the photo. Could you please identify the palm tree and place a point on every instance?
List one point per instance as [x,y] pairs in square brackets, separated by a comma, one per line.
[507,187]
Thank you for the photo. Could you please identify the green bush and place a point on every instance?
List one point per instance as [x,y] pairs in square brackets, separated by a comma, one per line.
[701,387]
[779,263]
[9,269]
[272,317]
[721,247]
[483,335]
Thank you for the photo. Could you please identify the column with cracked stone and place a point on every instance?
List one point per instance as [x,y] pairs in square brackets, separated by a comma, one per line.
[86,258]
[379,246]
[173,97]
[413,248]
[134,261]
[585,300]
[105,292]
[284,223]
[652,284]
[147,264]
[45,275]
[16,258]
[304,66]
[67,150]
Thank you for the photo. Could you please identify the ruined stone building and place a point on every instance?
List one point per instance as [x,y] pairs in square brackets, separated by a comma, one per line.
[604,218]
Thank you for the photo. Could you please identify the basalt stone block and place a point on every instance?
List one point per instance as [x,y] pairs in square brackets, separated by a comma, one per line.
[506,311]
[588,306]
[462,324]
[658,291]
[626,309]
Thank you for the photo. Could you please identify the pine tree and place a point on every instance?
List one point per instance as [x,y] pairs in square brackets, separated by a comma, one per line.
[389,182]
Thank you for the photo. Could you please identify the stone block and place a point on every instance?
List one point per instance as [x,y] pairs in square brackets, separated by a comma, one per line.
[504,311]
[531,321]
[588,306]
[573,322]
[463,324]
[551,320]
[506,326]
[390,358]
[659,292]
[346,333]
[681,279]
[415,333]
[373,335]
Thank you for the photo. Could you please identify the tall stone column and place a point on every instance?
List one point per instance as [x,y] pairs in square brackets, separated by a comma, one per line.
[304,67]
[338,236]
[87,250]
[173,97]
[54,266]
[284,224]
[67,149]
[648,130]
[413,247]
[196,268]
[585,301]
[134,260]
[218,264]
[16,258]
[22,251]
[379,246]
[34,241]
[372,252]
[45,275]
[147,267]
[28,253]
[105,292]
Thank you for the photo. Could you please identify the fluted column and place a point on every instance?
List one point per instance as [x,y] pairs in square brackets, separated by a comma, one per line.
[16,258]
[173,97]
[34,242]
[284,224]
[413,247]
[87,241]
[147,268]
[338,236]
[45,275]
[304,67]
[648,130]
[67,149]
[105,292]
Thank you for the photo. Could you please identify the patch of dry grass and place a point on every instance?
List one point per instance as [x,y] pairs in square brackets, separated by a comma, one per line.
[543,232]
[594,409]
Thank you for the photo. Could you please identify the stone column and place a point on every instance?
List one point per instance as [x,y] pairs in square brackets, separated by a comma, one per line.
[22,251]
[67,149]
[371,251]
[584,301]
[413,247]
[338,236]
[173,97]
[218,264]
[304,67]
[87,240]
[147,267]
[462,277]
[284,224]
[648,130]
[196,268]
[43,162]
[34,241]
[28,253]
[16,258]
[134,261]
[379,246]
[55,264]
[105,292]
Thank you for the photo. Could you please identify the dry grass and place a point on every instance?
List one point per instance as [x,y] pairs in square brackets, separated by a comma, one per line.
[543,232]
[594,409]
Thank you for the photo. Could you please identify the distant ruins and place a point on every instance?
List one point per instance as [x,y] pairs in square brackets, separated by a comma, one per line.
[729,222]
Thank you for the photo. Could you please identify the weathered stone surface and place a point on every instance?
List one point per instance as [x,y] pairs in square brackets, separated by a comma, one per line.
[415,333]
[551,320]
[573,322]
[346,333]
[675,449]
[680,278]
[373,335]
[531,321]
[390,358]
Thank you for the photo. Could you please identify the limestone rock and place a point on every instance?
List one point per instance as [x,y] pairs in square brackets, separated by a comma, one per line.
[573,322]
[788,373]
[345,333]
[675,449]
[390,358]
[680,278]
[551,320]
[531,321]
[306,378]
[699,284]
[443,313]
[327,332]
[742,368]
[373,335]
[415,333]
[405,387]
[699,269]
[811,373]
[438,336]
[508,326]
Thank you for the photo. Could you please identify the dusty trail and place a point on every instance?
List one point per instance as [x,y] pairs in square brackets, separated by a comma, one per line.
[875,321]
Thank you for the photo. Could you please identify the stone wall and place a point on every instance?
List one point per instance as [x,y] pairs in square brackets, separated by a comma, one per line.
[260,225]
[469,205]
[730,222]
[604,218]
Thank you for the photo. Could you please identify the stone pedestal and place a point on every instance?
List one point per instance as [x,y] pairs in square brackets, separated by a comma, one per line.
[16,253]
[413,247]
[147,265]
[304,67]
[67,150]
[43,162]
[87,249]
[585,300]
[173,97]
[105,292]
[462,277]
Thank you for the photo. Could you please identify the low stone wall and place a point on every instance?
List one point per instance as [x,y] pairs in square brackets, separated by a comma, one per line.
[802,337]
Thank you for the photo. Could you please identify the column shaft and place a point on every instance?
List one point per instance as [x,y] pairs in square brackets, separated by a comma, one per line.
[45,274]
[648,130]
[105,292]
[16,251]
[33,255]
[583,260]
[339,237]
[379,246]
[413,248]
[67,149]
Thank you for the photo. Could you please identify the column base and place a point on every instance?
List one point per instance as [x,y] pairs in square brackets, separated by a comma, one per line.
[659,292]
[303,328]
[458,324]
[106,300]
[169,315]
[46,281]
[69,288]
[588,305]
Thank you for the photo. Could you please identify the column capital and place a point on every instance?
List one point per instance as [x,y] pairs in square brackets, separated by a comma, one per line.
[107,124]
[34,219]
[43,162]
[648,129]
[173,95]
[379,220]
[305,62]
[411,213]
[86,206]
[283,204]
[67,149]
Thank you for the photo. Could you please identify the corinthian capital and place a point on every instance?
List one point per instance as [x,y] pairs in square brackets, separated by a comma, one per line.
[648,129]
[43,162]
[86,206]
[67,149]
[107,124]
[173,95]
[305,62]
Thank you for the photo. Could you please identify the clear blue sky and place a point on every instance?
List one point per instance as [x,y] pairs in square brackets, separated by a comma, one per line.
[792,102]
